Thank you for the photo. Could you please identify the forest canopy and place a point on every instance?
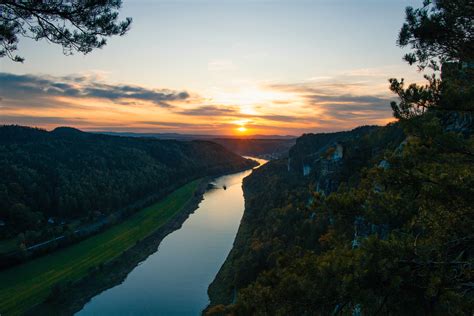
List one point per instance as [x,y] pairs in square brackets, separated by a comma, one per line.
[68,174]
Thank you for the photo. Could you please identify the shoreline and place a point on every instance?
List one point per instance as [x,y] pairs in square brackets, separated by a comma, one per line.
[71,298]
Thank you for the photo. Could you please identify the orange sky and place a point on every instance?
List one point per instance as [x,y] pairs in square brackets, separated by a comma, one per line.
[92,103]
[219,67]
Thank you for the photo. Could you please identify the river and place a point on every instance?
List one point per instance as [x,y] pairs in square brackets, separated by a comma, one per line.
[174,280]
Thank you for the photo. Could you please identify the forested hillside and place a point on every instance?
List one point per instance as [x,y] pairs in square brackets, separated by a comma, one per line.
[376,221]
[387,219]
[267,147]
[280,199]
[258,147]
[67,174]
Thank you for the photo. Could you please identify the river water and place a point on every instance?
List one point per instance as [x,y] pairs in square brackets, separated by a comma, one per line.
[174,280]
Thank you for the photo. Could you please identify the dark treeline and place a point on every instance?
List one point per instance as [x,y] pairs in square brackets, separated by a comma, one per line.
[67,174]
[267,147]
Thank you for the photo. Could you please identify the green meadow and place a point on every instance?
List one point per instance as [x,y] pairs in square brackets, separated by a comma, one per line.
[26,285]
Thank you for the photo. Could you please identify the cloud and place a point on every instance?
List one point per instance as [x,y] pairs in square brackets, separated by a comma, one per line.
[30,86]
[234,112]
[281,118]
[320,88]
[40,120]
[177,125]
[295,108]
[340,105]
[209,110]
[349,102]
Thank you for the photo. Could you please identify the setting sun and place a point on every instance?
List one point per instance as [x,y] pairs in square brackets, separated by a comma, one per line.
[242,129]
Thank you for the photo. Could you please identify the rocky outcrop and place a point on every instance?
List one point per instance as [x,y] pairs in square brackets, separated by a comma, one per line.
[320,157]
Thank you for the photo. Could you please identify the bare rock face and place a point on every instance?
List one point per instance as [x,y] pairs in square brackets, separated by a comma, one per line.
[311,148]
[338,152]
[319,157]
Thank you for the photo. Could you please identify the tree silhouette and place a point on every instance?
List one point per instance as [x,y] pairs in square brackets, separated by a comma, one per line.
[441,30]
[441,36]
[76,25]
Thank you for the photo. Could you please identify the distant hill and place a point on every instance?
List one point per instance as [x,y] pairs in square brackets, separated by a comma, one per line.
[263,146]
[179,136]
[70,174]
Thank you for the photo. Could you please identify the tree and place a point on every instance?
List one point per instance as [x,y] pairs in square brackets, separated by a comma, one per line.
[416,99]
[441,34]
[76,25]
[441,30]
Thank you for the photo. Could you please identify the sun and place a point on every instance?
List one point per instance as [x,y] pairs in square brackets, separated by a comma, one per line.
[242,129]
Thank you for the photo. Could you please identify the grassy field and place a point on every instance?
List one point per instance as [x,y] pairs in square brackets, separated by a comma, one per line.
[24,286]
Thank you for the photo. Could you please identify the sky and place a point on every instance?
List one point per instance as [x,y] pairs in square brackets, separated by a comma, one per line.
[228,67]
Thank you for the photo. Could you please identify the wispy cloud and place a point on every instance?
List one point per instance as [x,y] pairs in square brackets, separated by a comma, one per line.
[234,112]
[31,86]
[340,105]
[210,110]
[41,120]
[91,103]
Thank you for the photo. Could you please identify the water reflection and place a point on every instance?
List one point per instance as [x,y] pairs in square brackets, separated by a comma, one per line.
[174,280]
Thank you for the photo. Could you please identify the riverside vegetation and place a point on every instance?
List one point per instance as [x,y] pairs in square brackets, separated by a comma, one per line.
[55,183]
[26,285]
[90,180]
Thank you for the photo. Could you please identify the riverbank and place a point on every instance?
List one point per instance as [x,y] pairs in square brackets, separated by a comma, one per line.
[174,279]
[260,186]
[72,298]
[86,268]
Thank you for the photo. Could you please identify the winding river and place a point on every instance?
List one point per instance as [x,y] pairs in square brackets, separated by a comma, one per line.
[174,280]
